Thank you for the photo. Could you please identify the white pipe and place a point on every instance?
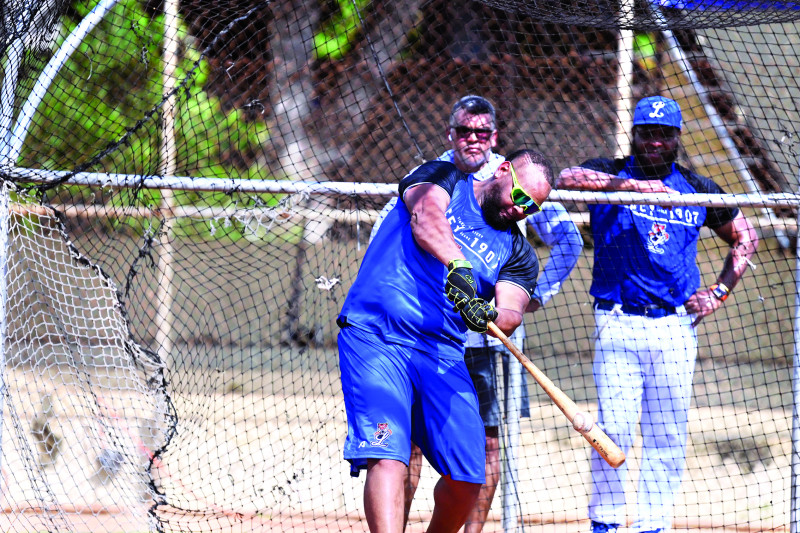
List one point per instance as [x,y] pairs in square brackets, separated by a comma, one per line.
[510,436]
[625,80]
[675,50]
[166,288]
[384,189]
[7,95]
[624,89]
[5,217]
[198,184]
[48,75]
[794,519]
[716,122]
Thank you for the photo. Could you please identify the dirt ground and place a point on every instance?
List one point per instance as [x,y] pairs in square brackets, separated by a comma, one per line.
[263,452]
[249,469]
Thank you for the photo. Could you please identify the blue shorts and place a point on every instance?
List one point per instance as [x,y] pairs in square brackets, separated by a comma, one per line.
[482,366]
[395,394]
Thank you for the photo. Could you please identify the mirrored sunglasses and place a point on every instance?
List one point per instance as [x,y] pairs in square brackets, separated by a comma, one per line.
[520,197]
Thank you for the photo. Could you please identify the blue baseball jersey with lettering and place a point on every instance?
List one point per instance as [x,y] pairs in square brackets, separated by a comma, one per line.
[645,254]
[399,291]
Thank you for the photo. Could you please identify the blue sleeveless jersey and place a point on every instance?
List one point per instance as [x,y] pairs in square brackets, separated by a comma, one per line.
[645,254]
[399,291]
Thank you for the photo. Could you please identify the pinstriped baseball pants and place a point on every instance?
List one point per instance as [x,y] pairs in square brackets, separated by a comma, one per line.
[643,370]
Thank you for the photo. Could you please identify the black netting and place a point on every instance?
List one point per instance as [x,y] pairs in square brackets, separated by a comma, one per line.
[179,249]
[644,16]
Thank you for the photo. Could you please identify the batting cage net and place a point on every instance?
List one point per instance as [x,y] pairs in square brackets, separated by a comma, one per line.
[188,189]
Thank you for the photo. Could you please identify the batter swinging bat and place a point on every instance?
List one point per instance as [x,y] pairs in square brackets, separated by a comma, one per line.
[609,451]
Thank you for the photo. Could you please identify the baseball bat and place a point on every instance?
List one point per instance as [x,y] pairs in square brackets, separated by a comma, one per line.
[601,442]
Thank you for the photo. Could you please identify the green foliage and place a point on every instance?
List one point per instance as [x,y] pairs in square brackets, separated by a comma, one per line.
[644,45]
[645,48]
[111,90]
[336,36]
[112,84]
[206,133]
[87,103]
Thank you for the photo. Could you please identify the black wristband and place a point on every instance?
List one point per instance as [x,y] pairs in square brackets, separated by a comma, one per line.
[458,263]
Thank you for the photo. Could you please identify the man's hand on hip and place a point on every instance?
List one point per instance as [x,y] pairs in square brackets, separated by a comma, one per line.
[701,304]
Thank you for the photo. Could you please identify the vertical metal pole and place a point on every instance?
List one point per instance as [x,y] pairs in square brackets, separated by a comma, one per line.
[7,93]
[513,382]
[624,82]
[165,292]
[794,519]
[5,216]
[513,374]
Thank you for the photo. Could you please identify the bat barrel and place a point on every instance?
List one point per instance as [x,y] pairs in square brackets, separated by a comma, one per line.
[601,442]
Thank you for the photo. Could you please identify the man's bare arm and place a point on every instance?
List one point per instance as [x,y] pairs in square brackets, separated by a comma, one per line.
[511,302]
[741,236]
[584,179]
[427,204]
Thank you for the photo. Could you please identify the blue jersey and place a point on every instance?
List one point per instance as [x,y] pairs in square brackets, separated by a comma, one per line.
[399,291]
[645,254]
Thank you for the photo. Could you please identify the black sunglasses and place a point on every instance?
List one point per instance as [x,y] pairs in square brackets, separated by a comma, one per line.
[482,134]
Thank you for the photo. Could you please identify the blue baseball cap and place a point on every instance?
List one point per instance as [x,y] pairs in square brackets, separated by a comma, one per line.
[658,110]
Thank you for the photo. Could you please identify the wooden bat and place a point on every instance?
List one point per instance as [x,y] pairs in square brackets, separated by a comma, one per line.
[601,442]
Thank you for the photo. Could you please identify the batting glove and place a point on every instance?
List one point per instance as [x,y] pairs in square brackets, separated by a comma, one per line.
[460,287]
[477,314]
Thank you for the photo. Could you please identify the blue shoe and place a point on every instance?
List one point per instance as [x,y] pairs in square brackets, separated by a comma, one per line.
[599,527]
[659,530]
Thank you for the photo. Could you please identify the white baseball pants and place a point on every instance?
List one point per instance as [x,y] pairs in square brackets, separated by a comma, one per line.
[642,365]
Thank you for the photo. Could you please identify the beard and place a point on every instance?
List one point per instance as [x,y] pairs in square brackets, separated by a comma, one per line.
[492,207]
[471,162]
[654,164]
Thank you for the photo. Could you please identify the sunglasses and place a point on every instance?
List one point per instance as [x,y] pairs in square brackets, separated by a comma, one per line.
[520,197]
[482,134]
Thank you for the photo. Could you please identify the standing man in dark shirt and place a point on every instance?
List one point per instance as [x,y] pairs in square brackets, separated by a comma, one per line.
[648,300]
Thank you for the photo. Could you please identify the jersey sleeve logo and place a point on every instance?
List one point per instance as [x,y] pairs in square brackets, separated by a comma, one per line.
[657,237]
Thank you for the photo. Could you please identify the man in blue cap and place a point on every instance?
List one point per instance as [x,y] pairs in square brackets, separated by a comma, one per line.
[648,300]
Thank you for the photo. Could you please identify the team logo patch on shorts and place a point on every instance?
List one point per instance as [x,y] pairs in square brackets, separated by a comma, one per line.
[657,237]
[382,435]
